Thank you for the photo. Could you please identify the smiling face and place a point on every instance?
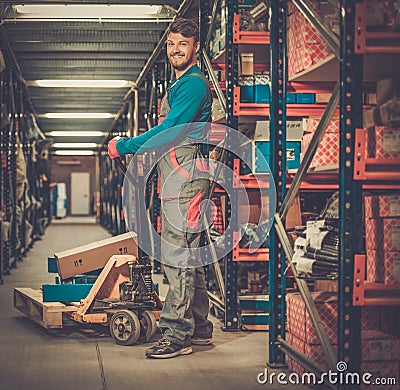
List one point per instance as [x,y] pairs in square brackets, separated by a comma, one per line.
[181,52]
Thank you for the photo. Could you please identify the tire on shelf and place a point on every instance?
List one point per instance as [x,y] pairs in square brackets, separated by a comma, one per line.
[125,327]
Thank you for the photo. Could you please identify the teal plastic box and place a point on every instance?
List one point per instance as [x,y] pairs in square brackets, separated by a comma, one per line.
[254,302]
[65,292]
[262,149]
[255,319]
[262,94]
[291,97]
[52,265]
[305,98]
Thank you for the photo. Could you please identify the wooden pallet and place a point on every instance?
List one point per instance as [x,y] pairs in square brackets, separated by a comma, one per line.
[47,314]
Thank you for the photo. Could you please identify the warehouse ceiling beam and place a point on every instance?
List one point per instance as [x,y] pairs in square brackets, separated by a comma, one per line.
[91,2]
[93,26]
[9,53]
[76,46]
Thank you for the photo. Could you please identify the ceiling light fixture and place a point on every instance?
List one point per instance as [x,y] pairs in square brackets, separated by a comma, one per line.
[80,83]
[84,145]
[66,133]
[74,152]
[77,115]
[79,11]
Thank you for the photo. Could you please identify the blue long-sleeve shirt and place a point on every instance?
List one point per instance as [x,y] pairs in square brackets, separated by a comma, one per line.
[190,101]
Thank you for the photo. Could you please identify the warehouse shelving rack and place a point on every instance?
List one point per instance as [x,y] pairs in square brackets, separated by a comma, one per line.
[24,175]
[354,174]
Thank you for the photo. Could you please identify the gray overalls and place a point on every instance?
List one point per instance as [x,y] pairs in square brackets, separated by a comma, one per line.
[186,306]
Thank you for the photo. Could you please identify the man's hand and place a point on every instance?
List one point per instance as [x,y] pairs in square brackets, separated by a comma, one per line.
[112,148]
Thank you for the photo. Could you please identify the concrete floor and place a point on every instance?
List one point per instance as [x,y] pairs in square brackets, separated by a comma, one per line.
[33,358]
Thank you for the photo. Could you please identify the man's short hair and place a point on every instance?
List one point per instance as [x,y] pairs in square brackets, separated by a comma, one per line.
[188,28]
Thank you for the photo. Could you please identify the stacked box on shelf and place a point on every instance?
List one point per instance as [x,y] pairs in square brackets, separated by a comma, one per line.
[254,310]
[382,237]
[261,147]
[328,149]
[305,46]
[380,352]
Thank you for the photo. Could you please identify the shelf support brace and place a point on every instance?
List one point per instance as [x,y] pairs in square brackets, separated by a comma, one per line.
[310,153]
[218,90]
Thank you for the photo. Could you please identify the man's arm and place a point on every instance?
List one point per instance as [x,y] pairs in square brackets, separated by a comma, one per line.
[189,96]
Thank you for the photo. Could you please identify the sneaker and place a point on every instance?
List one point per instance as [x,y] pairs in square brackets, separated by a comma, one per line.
[202,340]
[166,348]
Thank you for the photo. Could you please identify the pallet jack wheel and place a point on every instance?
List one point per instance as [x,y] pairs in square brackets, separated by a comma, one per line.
[148,326]
[125,327]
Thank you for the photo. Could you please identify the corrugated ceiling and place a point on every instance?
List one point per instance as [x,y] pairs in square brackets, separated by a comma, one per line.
[94,50]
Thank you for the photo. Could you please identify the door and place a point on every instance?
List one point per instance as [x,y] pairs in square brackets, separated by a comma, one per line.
[80,187]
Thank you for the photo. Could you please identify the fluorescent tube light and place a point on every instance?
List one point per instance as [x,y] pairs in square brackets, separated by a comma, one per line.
[84,145]
[116,11]
[77,115]
[74,152]
[66,133]
[80,83]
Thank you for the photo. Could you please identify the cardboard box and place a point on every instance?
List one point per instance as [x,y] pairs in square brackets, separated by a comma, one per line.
[327,152]
[372,117]
[375,267]
[322,97]
[306,55]
[391,234]
[388,89]
[375,346]
[383,234]
[390,113]
[383,142]
[326,285]
[383,267]
[301,32]
[392,267]
[93,256]
[311,125]
[382,205]
[300,325]
[246,64]
[294,130]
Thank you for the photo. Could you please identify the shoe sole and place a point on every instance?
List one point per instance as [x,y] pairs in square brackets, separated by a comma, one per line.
[183,351]
[202,342]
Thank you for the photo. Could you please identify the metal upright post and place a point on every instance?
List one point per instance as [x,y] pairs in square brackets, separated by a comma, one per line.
[277,282]
[350,191]
[204,26]
[231,307]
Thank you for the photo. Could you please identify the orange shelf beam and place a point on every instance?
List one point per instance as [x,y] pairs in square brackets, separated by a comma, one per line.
[244,254]
[372,169]
[248,37]
[262,109]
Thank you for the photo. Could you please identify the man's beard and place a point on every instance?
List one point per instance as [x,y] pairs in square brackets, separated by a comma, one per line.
[183,65]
